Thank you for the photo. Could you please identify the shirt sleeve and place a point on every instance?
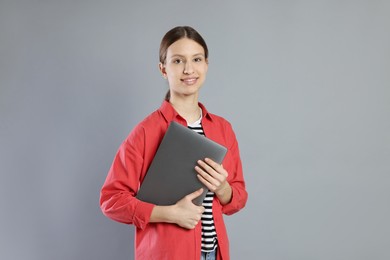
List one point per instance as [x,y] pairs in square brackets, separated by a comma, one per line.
[117,197]
[235,177]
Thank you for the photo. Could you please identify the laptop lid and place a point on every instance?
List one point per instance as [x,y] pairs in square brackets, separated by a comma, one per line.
[171,175]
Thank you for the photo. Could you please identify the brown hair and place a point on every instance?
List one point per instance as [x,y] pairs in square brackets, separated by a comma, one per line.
[176,34]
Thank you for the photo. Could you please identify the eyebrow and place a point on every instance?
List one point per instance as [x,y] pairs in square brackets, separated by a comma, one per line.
[179,55]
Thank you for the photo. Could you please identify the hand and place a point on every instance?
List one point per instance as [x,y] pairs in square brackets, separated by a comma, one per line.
[214,177]
[187,214]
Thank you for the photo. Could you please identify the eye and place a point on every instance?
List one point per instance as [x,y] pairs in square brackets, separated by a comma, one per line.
[177,61]
[198,59]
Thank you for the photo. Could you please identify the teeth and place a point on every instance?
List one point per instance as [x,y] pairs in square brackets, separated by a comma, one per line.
[189,80]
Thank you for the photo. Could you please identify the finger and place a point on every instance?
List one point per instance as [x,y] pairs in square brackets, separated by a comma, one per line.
[207,168]
[216,166]
[195,194]
[212,163]
[212,178]
[206,183]
[194,223]
[214,169]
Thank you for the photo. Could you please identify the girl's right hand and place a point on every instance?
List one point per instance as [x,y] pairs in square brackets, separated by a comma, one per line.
[187,214]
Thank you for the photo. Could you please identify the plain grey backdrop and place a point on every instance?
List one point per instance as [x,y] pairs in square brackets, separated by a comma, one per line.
[306,85]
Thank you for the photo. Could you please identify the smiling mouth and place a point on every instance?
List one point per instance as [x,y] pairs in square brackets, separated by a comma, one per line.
[189,81]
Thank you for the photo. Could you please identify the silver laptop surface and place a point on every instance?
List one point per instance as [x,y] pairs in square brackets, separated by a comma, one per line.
[171,175]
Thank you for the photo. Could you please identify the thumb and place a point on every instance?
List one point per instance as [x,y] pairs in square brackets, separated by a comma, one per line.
[195,194]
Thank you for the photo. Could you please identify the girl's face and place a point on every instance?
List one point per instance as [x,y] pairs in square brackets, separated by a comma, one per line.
[185,67]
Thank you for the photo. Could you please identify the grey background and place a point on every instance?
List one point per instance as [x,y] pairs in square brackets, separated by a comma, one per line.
[306,85]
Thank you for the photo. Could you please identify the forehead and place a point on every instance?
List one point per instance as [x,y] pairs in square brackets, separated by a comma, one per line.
[185,47]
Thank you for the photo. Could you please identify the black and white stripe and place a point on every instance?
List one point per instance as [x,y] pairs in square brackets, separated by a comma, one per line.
[197,128]
[209,235]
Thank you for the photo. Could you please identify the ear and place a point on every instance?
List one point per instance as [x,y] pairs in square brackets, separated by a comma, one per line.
[162,70]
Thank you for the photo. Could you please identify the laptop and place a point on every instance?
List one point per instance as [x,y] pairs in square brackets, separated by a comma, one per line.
[172,175]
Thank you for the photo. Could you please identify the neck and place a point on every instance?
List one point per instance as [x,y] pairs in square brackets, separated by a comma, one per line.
[187,108]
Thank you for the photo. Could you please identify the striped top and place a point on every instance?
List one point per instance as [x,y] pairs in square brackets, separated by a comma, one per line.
[209,235]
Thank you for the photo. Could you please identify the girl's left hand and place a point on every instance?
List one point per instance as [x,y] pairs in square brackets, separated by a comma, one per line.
[214,177]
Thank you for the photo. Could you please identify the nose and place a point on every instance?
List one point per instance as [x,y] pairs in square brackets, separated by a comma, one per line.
[188,69]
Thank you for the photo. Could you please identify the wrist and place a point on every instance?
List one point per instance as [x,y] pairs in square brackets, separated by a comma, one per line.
[224,194]
[163,214]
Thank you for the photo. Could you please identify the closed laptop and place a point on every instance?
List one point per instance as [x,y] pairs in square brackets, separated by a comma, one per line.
[172,175]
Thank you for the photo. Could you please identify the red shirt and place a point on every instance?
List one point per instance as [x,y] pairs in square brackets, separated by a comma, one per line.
[118,201]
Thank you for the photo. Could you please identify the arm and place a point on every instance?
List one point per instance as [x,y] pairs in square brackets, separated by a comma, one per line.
[118,200]
[226,181]
[117,197]
[214,177]
[184,213]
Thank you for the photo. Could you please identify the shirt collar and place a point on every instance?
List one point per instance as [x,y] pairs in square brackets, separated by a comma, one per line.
[169,112]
